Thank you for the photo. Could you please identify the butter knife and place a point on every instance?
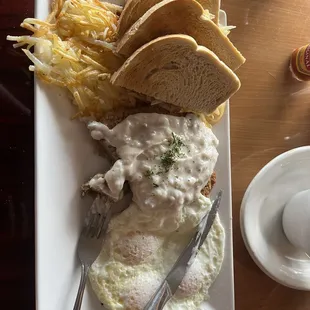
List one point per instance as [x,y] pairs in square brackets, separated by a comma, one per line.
[178,271]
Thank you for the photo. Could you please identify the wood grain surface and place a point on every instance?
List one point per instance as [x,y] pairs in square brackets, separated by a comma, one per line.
[269,115]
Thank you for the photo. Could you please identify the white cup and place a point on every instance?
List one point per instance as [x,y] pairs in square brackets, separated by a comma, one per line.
[296,220]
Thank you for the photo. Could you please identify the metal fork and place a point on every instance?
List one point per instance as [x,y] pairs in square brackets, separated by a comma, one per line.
[89,246]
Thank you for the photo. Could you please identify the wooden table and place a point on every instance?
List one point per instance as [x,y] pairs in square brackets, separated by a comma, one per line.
[270,114]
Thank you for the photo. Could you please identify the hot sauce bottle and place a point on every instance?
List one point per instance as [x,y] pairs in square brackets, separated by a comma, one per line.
[300,63]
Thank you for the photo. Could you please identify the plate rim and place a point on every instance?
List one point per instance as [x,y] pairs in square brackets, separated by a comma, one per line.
[256,178]
[41,10]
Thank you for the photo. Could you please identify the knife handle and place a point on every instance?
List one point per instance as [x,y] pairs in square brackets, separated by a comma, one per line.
[160,298]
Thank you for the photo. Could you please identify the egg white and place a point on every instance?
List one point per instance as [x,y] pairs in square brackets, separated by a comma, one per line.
[140,250]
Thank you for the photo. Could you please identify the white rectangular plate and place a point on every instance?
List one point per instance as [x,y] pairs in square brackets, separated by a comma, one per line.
[65,158]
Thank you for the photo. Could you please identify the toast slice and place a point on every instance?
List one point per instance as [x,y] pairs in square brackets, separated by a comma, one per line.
[134,9]
[174,69]
[168,17]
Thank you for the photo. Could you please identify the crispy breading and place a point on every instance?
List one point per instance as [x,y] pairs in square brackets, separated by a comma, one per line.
[207,189]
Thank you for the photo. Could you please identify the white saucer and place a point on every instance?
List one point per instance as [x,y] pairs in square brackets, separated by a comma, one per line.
[261,218]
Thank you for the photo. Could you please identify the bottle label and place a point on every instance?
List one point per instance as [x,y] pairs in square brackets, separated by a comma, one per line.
[303,60]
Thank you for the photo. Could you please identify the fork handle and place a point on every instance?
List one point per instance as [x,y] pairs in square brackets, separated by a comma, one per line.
[83,280]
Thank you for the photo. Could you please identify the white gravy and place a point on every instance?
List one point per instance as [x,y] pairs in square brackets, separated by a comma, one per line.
[166,159]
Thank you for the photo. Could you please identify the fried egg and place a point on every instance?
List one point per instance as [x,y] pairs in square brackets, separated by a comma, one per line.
[134,261]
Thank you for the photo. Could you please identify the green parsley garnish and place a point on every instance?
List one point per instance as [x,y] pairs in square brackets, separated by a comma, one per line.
[169,157]
[149,173]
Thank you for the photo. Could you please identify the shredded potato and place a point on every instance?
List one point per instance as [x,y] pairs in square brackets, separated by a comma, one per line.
[208,15]
[226,29]
[215,116]
[90,21]
[73,49]
[212,118]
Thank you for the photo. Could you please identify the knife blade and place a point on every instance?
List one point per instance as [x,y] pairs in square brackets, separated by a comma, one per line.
[178,271]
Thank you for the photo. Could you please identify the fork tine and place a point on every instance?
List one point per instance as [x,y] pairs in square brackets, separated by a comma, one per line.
[89,225]
[93,231]
[102,221]
[85,227]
